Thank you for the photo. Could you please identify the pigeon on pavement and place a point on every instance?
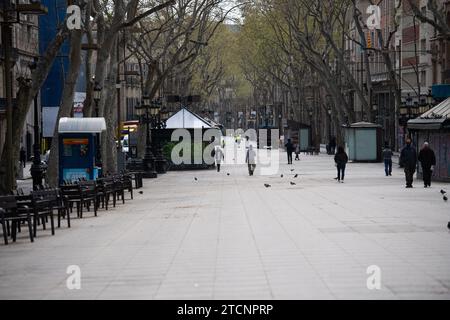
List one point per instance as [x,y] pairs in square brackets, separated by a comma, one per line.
[293,183]
[141,192]
[443,192]
[445,198]
[296,176]
[267,185]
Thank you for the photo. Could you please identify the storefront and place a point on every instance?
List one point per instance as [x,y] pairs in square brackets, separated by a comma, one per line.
[434,127]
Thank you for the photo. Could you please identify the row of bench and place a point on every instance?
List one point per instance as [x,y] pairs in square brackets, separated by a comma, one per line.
[40,206]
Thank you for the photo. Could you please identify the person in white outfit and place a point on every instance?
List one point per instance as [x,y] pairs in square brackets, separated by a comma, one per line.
[251,160]
[219,155]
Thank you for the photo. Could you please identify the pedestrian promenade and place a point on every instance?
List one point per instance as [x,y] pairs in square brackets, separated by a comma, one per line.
[229,237]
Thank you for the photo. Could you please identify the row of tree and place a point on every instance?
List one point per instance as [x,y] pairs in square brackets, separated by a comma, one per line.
[165,37]
[297,45]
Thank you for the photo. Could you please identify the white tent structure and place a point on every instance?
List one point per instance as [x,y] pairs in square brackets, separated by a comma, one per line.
[185,119]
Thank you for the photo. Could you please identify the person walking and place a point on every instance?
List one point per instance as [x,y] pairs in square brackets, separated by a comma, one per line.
[219,155]
[23,157]
[289,149]
[387,156]
[341,160]
[297,152]
[250,159]
[408,160]
[427,159]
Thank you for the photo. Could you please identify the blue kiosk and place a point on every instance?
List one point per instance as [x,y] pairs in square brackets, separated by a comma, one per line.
[77,148]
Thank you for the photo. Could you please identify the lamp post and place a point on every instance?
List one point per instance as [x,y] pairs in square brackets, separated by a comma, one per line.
[347,123]
[6,33]
[430,99]
[329,123]
[375,112]
[409,105]
[160,123]
[159,117]
[149,159]
[37,168]
[313,136]
[97,96]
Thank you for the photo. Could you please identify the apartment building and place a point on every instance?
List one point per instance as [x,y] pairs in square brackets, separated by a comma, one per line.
[25,49]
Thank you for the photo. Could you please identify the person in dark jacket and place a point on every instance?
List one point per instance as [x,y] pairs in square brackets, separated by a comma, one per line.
[290,148]
[427,159]
[387,156]
[408,160]
[341,160]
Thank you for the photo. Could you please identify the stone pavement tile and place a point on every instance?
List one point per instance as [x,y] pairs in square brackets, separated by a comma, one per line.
[134,291]
[85,293]
[346,293]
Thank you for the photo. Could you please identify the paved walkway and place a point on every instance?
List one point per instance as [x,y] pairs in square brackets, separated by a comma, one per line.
[229,237]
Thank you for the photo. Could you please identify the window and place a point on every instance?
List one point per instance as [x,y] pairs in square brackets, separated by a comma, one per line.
[423,77]
[423,46]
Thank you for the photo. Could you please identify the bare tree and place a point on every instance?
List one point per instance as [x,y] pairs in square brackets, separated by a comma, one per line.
[28,89]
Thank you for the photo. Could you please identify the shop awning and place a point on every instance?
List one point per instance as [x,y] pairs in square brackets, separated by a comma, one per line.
[441,91]
[81,125]
[362,124]
[433,119]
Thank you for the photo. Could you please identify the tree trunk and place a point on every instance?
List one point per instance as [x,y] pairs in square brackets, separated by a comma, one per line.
[109,150]
[27,92]
[66,104]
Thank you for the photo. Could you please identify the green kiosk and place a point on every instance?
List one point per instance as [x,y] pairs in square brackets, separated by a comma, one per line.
[77,148]
[363,141]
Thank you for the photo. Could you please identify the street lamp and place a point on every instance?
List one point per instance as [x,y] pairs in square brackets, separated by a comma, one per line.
[37,168]
[35,8]
[329,122]
[375,112]
[416,109]
[409,104]
[97,95]
[430,99]
[312,130]
[159,122]
[149,159]
[346,119]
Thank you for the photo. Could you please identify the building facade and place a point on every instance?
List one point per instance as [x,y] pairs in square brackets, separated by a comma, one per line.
[25,49]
